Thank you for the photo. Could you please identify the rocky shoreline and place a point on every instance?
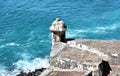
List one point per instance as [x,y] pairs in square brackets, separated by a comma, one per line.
[37,72]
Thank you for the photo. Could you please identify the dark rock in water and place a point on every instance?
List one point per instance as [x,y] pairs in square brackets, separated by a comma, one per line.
[42,69]
[29,74]
[22,74]
[37,72]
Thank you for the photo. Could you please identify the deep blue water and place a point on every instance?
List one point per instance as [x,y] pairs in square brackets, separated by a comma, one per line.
[25,39]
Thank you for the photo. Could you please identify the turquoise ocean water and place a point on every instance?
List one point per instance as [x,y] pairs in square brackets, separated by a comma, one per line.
[25,39]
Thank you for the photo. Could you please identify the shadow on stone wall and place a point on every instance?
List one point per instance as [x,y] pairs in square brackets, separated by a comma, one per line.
[104,68]
[69,39]
[90,74]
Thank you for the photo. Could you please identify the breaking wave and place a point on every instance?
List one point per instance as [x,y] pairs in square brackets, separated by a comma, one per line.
[25,66]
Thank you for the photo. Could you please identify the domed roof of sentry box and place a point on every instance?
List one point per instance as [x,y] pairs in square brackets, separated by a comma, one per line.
[58,25]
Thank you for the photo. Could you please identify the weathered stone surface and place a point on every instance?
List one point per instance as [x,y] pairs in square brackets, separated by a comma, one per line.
[58,29]
[58,25]
[68,73]
[106,46]
[78,55]
[57,47]
[88,54]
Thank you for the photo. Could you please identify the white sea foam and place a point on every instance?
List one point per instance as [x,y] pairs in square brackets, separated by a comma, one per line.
[37,63]
[31,35]
[9,44]
[104,29]
[12,44]
[26,66]
[74,34]
[2,46]
[44,41]
[81,31]
[99,30]
[70,34]
[25,56]
[113,27]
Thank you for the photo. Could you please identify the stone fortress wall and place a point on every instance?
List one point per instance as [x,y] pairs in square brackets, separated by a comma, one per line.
[82,57]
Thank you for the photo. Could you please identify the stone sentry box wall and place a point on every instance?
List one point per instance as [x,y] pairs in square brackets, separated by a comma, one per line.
[58,30]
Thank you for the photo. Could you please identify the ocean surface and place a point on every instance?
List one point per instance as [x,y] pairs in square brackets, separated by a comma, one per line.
[25,39]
